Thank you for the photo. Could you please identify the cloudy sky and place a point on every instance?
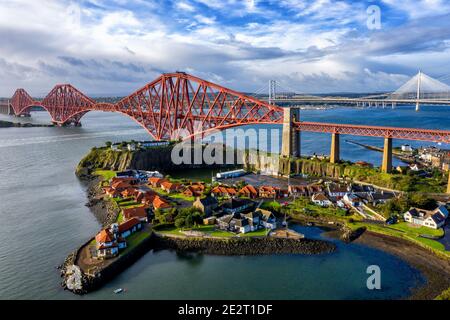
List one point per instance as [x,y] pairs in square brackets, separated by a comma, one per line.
[116,46]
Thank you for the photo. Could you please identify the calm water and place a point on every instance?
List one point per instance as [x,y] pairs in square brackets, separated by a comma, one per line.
[43,217]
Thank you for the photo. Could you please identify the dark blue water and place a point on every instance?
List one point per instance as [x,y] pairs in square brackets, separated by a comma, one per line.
[43,217]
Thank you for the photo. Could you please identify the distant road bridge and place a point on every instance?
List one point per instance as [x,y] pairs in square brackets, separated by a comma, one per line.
[419,90]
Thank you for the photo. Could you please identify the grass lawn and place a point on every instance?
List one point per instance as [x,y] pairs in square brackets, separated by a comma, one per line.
[209,230]
[182,196]
[134,240]
[120,217]
[106,174]
[270,205]
[257,233]
[405,232]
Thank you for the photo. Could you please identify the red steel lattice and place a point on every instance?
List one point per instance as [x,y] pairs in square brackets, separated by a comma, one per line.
[375,131]
[178,101]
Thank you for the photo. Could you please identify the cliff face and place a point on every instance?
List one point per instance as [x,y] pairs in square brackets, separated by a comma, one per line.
[158,158]
[285,166]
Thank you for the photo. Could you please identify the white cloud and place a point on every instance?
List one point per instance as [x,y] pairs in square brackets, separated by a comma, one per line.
[113,47]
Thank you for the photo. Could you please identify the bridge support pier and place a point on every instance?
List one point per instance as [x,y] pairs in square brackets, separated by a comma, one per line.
[335,148]
[417,106]
[386,166]
[290,145]
[448,185]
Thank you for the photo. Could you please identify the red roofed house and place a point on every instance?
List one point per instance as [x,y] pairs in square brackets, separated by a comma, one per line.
[170,187]
[129,192]
[299,191]
[156,182]
[159,203]
[129,227]
[146,197]
[222,191]
[138,212]
[249,191]
[192,192]
[269,192]
[120,185]
[111,192]
[106,245]
[128,180]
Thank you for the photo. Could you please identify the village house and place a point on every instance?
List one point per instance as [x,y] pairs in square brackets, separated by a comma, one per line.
[160,203]
[321,199]
[254,219]
[235,206]
[337,190]
[129,227]
[269,192]
[298,191]
[240,225]
[206,205]
[314,188]
[432,219]
[146,197]
[249,191]
[120,186]
[224,221]
[352,200]
[106,245]
[170,187]
[155,182]
[129,192]
[268,219]
[111,192]
[222,191]
[140,213]
[381,197]
[193,191]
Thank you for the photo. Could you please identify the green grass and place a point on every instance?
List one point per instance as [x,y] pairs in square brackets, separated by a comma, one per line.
[207,229]
[181,196]
[119,217]
[257,233]
[445,295]
[106,174]
[270,205]
[134,240]
[404,232]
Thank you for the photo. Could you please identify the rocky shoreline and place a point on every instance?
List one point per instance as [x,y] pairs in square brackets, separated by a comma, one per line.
[244,246]
[9,124]
[436,270]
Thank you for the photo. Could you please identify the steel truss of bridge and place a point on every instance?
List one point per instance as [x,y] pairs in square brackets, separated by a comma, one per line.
[179,102]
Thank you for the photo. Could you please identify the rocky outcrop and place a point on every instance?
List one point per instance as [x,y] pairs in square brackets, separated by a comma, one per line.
[158,158]
[244,246]
[105,210]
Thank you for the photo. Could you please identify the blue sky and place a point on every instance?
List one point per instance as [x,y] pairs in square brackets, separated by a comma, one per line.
[114,47]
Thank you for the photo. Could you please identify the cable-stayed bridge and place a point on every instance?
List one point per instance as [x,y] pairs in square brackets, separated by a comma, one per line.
[419,90]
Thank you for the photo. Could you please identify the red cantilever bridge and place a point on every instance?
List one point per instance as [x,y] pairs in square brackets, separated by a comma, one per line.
[178,101]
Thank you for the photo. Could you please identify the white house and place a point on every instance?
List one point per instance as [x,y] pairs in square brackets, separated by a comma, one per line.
[431,219]
[268,219]
[352,199]
[321,200]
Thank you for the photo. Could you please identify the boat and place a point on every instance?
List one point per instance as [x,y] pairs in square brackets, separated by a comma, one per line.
[119,290]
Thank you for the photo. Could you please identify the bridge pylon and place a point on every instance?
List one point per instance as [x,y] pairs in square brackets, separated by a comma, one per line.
[335,148]
[290,145]
[386,166]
